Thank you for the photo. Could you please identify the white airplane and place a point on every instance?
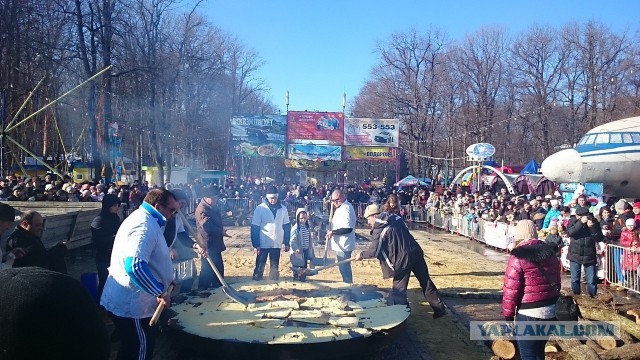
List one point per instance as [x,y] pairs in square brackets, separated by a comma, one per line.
[607,154]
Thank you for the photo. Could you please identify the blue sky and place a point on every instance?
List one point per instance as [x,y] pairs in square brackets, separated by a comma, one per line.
[318,50]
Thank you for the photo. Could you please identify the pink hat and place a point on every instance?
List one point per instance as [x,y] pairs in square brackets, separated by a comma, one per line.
[636,205]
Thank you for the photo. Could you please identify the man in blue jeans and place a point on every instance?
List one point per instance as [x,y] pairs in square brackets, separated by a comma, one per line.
[585,232]
[343,232]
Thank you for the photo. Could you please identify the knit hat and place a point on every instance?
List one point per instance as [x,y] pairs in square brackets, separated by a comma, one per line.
[299,211]
[525,230]
[47,314]
[630,222]
[553,202]
[619,206]
[272,191]
[636,204]
[109,200]
[553,224]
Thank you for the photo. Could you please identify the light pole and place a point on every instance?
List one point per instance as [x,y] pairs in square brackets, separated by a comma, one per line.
[286,100]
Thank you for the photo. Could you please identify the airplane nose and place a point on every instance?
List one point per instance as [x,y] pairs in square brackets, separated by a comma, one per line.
[563,166]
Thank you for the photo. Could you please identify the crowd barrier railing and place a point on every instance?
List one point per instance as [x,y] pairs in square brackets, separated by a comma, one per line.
[493,233]
[622,267]
[499,235]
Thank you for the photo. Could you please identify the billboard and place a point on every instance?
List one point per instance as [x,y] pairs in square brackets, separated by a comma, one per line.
[371,132]
[368,153]
[258,135]
[319,128]
[315,152]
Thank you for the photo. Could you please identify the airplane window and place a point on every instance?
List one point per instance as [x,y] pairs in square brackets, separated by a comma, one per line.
[584,140]
[627,138]
[636,138]
[616,138]
[602,139]
[590,140]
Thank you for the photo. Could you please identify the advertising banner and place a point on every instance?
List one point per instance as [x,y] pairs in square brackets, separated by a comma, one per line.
[319,128]
[259,135]
[368,153]
[371,132]
[314,152]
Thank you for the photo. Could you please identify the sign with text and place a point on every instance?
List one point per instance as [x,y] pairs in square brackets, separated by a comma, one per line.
[371,132]
[315,152]
[368,153]
[259,135]
[318,128]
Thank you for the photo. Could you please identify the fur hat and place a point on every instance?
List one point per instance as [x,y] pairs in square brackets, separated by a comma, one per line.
[7,212]
[47,314]
[372,209]
[539,216]
[525,230]
[210,191]
[582,210]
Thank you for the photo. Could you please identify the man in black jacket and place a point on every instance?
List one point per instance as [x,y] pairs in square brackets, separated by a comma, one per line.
[103,231]
[27,236]
[585,232]
[399,255]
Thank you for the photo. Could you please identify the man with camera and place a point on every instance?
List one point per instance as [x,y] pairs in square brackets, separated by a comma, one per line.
[585,232]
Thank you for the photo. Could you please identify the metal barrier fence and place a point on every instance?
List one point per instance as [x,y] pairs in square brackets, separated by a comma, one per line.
[622,267]
[495,234]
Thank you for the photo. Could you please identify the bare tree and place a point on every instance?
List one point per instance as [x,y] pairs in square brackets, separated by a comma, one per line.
[537,66]
[481,62]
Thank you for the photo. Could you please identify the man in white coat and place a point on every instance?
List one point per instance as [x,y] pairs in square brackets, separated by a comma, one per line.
[270,229]
[140,274]
[343,232]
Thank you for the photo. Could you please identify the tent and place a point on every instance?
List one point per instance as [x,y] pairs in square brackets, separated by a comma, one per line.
[531,168]
[409,181]
[534,184]
[505,170]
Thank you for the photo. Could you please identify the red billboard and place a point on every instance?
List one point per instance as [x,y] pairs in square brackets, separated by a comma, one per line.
[318,128]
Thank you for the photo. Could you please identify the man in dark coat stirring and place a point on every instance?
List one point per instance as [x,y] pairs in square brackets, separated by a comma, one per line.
[399,255]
